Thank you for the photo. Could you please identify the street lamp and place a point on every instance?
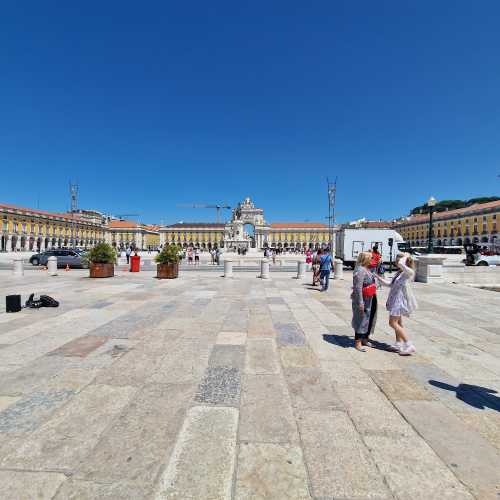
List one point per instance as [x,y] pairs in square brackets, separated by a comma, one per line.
[431,203]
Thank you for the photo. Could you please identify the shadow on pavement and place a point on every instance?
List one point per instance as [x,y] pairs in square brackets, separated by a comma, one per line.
[346,341]
[474,395]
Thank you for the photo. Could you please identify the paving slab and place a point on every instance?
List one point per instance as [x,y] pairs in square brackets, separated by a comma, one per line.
[397,384]
[473,460]
[271,472]
[80,347]
[266,412]
[24,485]
[311,388]
[137,444]
[413,471]
[261,357]
[202,463]
[220,386]
[231,338]
[74,489]
[339,464]
[298,357]
[63,441]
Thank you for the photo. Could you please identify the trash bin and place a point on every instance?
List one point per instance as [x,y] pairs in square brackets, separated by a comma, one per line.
[135,263]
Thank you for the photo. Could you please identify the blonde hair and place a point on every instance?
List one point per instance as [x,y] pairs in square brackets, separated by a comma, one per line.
[364,259]
[410,262]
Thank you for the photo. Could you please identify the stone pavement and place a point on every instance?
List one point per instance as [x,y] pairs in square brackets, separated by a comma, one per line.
[209,388]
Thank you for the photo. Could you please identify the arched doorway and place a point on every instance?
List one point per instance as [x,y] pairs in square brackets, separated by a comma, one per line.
[249,232]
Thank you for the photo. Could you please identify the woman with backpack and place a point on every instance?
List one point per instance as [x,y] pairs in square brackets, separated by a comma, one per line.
[401,302]
[364,302]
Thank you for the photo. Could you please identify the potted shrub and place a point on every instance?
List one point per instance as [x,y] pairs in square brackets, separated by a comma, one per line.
[168,262]
[101,259]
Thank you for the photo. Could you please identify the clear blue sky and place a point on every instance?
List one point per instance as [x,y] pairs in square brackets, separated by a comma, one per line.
[151,104]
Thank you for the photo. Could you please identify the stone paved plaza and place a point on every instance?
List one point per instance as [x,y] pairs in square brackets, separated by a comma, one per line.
[210,388]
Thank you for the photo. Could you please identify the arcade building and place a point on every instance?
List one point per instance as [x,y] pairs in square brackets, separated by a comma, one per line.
[248,230]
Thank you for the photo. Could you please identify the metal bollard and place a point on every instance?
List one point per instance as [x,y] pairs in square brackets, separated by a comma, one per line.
[18,269]
[52,266]
[301,269]
[264,269]
[339,270]
[228,268]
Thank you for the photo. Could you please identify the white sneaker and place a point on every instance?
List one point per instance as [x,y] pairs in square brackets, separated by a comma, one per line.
[396,347]
[407,350]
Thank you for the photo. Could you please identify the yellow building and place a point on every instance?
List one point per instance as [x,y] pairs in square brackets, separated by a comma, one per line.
[27,229]
[204,235]
[474,224]
[125,233]
[298,235]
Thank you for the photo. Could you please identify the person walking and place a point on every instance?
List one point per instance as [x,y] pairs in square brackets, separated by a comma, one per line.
[196,256]
[364,302]
[316,261]
[325,268]
[128,252]
[401,302]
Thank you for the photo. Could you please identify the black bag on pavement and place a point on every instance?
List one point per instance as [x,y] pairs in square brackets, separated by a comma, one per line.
[48,301]
[43,301]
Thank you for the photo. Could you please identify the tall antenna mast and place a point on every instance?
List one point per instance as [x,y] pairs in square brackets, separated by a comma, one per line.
[73,191]
[332,193]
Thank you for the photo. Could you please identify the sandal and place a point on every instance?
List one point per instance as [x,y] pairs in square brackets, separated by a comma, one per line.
[360,349]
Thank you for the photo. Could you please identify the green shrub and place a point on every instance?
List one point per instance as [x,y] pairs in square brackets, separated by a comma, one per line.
[168,255]
[102,253]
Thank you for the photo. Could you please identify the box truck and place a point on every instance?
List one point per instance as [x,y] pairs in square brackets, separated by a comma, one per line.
[351,242]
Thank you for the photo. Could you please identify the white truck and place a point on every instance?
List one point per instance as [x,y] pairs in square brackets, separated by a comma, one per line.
[351,242]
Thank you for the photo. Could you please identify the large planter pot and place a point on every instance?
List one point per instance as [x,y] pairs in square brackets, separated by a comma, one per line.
[98,270]
[167,271]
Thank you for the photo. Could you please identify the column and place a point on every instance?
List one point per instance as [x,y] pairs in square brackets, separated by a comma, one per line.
[18,243]
[8,246]
[163,237]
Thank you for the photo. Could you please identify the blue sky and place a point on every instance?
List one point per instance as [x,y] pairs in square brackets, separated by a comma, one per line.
[153,104]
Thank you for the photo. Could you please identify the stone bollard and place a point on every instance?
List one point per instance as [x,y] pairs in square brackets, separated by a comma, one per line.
[301,269]
[264,269]
[52,266]
[228,268]
[18,269]
[339,269]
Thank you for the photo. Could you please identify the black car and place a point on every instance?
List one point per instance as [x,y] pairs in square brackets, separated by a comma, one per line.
[65,258]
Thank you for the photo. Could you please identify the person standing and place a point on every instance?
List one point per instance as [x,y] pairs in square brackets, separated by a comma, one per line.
[325,268]
[128,252]
[316,261]
[401,302]
[364,302]
[196,256]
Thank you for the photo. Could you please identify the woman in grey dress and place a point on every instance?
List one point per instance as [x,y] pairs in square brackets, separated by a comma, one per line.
[364,309]
[401,302]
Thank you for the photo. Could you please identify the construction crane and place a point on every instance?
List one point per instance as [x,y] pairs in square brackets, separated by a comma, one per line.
[217,207]
[122,216]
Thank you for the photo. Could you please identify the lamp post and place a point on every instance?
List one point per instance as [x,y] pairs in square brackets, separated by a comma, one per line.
[431,203]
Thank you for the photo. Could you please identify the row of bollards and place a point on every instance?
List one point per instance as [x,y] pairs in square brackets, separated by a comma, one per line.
[301,269]
[18,268]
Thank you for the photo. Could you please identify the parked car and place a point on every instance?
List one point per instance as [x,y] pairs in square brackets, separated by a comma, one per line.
[65,258]
[486,260]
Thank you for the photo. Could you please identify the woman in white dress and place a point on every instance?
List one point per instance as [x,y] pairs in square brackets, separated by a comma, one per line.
[401,302]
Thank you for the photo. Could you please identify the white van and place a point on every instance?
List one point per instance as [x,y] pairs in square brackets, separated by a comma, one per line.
[351,242]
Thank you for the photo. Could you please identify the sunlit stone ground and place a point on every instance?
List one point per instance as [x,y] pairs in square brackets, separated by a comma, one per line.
[212,388]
